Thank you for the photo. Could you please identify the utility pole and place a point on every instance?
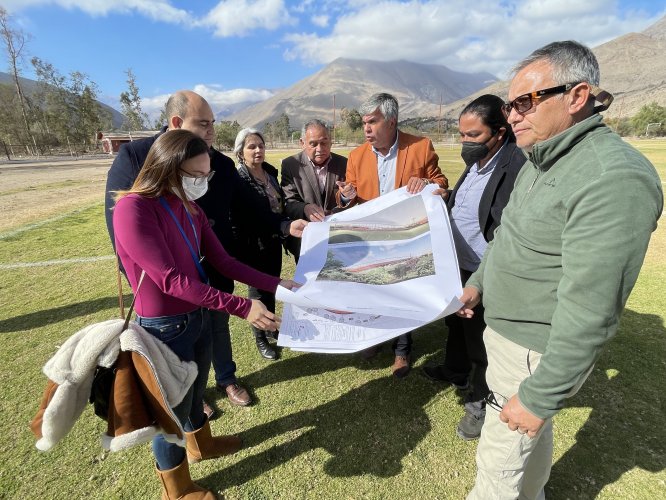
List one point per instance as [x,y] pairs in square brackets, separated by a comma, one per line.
[439,119]
[333,118]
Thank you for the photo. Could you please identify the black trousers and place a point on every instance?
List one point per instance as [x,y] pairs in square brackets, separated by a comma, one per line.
[268,300]
[267,260]
[465,352]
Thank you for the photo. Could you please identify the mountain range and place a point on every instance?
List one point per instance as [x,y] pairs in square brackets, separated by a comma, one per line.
[632,66]
[351,81]
[633,69]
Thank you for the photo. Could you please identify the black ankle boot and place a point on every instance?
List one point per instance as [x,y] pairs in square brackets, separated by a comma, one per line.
[265,349]
[273,335]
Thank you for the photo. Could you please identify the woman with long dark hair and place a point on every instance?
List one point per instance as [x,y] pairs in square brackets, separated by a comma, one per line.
[475,205]
[160,230]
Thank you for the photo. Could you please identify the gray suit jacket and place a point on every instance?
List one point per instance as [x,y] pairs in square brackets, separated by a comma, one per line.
[300,185]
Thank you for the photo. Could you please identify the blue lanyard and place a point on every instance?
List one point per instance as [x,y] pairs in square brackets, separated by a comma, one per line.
[195,257]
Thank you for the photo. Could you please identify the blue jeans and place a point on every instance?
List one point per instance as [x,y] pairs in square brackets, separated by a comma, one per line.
[189,337]
[223,363]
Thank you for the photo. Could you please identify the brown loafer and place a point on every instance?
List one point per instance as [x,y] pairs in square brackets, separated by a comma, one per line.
[401,366]
[238,395]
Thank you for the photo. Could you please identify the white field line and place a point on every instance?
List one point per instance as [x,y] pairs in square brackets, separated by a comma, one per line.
[23,229]
[18,265]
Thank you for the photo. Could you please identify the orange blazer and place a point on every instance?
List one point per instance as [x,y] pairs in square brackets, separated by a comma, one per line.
[416,158]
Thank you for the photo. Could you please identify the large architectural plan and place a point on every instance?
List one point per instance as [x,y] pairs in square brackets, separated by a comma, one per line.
[371,273]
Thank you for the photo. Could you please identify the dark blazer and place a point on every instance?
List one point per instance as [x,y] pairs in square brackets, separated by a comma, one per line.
[223,197]
[255,242]
[496,194]
[301,186]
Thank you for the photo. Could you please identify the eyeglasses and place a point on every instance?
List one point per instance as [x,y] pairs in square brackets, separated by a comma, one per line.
[199,179]
[496,401]
[523,103]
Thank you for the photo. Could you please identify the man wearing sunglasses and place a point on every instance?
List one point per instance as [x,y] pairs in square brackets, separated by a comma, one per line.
[188,110]
[556,276]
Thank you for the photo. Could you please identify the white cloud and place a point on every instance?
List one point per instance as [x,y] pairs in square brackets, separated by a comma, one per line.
[242,17]
[218,98]
[302,6]
[484,36]
[152,106]
[321,21]
[158,10]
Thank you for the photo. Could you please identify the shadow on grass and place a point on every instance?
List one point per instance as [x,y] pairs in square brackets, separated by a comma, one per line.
[427,341]
[625,428]
[44,317]
[368,430]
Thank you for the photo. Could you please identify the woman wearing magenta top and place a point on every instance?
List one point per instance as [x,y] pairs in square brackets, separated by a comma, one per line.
[159,230]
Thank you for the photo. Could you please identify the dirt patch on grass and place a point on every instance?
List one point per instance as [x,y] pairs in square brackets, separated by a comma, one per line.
[31,192]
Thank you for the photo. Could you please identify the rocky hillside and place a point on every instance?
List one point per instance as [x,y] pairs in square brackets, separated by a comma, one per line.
[30,86]
[633,69]
[418,87]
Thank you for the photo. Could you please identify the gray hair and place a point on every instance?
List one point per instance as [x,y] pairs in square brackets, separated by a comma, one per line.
[385,103]
[314,122]
[571,62]
[240,140]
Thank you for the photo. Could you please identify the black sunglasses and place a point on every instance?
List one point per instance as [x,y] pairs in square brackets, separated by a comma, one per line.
[495,400]
[523,103]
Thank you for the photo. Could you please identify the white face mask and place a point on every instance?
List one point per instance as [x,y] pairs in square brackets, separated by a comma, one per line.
[193,190]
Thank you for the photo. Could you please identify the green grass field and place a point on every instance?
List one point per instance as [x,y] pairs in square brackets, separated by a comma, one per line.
[324,426]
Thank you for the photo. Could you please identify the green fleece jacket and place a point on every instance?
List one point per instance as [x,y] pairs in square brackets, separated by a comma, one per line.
[572,241]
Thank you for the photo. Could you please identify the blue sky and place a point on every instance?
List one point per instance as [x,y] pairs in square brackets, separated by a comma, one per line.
[239,50]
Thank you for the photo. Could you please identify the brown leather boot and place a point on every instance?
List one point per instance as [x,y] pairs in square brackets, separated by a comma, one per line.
[201,445]
[177,484]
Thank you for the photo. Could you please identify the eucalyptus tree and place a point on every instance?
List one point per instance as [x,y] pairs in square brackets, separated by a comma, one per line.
[14,41]
[130,103]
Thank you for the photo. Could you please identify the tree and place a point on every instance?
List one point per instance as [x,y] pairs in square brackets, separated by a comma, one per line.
[225,134]
[281,127]
[93,117]
[14,41]
[268,133]
[162,120]
[651,113]
[352,118]
[344,135]
[130,103]
[69,109]
[11,115]
[621,126]
[55,111]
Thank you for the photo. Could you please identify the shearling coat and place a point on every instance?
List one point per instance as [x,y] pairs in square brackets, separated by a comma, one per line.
[150,380]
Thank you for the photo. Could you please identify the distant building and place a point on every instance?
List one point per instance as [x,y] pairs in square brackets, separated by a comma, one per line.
[111,141]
